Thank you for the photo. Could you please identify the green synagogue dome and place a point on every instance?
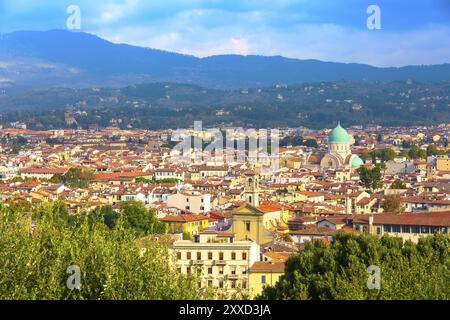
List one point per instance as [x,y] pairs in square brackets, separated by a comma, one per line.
[356,162]
[339,134]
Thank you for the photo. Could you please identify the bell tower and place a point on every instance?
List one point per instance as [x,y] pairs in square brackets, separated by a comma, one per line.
[251,188]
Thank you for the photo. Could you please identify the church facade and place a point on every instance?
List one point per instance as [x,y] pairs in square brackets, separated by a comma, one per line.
[339,154]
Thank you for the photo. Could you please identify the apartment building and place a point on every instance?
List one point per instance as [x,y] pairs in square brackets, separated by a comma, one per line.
[222,262]
[192,201]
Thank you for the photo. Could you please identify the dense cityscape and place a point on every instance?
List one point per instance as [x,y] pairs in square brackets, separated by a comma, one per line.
[235,222]
[226,158]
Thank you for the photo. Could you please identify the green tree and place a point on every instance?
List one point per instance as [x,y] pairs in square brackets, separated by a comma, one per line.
[372,179]
[140,219]
[104,214]
[398,184]
[339,270]
[74,177]
[112,263]
[384,155]
[416,153]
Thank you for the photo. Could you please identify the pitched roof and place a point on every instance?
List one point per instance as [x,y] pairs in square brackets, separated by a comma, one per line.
[438,219]
[267,266]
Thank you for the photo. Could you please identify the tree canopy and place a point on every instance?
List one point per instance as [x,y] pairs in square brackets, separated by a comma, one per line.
[372,179]
[339,270]
[75,177]
[35,257]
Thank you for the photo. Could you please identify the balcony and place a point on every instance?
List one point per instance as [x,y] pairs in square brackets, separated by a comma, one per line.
[220,262]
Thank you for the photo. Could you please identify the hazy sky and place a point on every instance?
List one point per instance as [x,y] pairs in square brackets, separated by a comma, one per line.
[412,31]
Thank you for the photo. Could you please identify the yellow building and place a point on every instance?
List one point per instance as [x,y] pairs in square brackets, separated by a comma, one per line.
[221,262]
[294,163]
[443,163]
[186,223]
[252,221]
[249,223]
[262,274]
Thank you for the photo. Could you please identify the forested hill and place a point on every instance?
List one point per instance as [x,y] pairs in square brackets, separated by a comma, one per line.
[168,105]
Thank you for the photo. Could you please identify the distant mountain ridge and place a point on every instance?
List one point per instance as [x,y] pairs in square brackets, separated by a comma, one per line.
[64,58]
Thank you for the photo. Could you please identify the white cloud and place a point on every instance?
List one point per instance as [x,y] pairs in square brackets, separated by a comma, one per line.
[323,42]
[265,27]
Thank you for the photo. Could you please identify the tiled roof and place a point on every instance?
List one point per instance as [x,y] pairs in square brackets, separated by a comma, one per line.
[438,219]
[267,266]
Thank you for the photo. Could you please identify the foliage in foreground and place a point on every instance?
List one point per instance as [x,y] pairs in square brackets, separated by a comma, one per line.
[33,265]
[338,271]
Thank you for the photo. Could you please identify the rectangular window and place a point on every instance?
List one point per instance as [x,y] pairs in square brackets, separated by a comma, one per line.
[210,270]
[263,279]
[233,256]
[221,284]
[220,255]
[378,230]
[210,255]
[247,226]
[199,256]
[188,255]
[425,229]
[210,283]
[178,255]
[406,229]
[244,255]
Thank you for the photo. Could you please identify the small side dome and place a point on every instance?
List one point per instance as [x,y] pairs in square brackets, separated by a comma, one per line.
[356,162]
[339,134]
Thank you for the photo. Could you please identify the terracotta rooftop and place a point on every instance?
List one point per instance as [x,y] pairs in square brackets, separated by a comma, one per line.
[438,219]
[267,266]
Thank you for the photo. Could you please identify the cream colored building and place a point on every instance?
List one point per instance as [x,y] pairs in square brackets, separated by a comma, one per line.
[222,263]
[193,201]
